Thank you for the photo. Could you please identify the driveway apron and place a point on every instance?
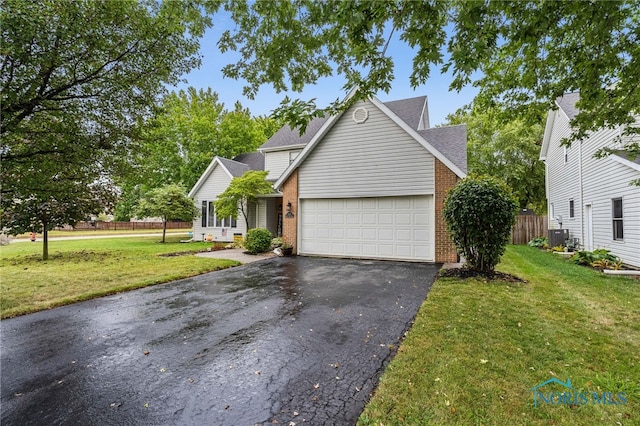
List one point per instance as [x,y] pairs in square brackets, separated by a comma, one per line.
[300,340]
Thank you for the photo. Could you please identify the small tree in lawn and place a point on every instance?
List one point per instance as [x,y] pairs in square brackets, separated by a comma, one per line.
[241,192]
[167,202]
[480,212]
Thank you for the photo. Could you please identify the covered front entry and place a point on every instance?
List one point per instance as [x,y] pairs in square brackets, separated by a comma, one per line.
[377,228]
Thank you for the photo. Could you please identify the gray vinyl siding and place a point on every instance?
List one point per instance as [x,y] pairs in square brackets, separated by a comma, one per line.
[372,159]
[563,181]
[276,162]
[215,184]
[602,181]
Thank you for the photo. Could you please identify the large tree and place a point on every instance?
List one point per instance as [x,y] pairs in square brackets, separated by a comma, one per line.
[507,150]
[187,130]
[528,53]
[75,79]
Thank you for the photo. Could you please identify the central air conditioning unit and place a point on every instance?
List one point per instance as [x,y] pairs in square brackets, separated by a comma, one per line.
[558,237]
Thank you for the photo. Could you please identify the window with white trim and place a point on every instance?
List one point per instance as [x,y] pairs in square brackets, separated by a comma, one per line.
[210,220]
[617,216]
[571,209]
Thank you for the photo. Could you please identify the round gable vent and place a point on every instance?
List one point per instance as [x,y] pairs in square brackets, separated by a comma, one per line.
[360,115]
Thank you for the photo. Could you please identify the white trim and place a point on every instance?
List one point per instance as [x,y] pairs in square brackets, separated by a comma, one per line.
[424,116]
[206,174]
[624,161]
[282,148]
[548,129]
[312,143]
[422,141]
[385,110]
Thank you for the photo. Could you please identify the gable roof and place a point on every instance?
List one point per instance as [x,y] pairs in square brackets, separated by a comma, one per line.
[453,131]
[567,104]
[409,110]
[255,160]
[451,141]
[287,137]
[230,167]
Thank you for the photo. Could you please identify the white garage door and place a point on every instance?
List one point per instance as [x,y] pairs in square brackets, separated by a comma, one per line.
[385,227]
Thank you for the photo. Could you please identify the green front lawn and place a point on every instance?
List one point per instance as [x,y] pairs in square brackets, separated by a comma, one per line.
[478,348]
[85,269]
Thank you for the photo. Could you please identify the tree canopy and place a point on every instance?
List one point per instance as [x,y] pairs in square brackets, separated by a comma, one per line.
[167,202]
[76,77]
[521,55]
[507,150]
[241,192]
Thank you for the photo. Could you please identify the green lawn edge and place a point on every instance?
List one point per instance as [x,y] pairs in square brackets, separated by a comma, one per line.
[81,270]
[477,348]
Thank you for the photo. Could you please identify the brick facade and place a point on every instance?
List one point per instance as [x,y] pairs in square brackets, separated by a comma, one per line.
[290,224]
[444,179]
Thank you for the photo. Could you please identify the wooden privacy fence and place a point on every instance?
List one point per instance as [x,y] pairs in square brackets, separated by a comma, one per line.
[528,227]
[115,226]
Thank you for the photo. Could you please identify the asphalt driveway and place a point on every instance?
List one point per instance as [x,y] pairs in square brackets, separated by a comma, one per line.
[300,340]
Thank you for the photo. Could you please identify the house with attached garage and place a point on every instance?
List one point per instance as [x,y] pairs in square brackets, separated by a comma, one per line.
[592,198]
[369,182]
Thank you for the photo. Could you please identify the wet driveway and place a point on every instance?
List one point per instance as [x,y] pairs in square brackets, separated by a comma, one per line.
[284,340]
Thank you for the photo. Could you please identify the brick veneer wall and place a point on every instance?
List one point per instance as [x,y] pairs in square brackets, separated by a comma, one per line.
[290,224]
[445,179]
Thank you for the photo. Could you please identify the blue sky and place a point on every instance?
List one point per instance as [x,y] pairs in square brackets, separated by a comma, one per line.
[441,100]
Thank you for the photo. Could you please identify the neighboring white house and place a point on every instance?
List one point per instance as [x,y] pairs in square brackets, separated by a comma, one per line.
[367,183]
[591,197]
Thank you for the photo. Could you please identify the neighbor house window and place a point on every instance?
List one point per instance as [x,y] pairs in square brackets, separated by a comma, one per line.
[618,227]
[571,209]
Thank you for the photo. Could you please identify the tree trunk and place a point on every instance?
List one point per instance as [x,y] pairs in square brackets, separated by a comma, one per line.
[164,229]
[45,242]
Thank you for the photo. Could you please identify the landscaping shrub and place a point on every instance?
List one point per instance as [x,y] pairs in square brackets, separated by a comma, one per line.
[599,258]
[480,212]
[258,240]
[539,242]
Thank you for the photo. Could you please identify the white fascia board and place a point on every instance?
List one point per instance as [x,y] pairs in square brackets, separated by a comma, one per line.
[455,169]
[311,145]
[283,148]
[206,174]
[548,129]
[626,162]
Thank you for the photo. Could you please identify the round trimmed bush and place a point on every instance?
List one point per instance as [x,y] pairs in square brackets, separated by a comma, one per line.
[480,212]
[258,240]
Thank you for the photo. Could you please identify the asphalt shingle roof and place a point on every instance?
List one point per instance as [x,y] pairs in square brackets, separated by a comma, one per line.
[408,110]
[235,168]
[567,103]
[255,160]
[287,136]
[451,141]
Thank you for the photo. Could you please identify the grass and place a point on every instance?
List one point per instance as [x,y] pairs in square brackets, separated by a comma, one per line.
[477,348]
[100,232]
[85,269]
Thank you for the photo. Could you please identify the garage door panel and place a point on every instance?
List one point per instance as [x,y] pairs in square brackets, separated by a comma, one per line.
[384,227]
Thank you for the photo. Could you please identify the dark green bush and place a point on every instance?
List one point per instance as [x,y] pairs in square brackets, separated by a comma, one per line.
[480,212]
[258,240]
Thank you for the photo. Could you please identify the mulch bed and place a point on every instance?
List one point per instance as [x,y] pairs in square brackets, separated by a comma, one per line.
[464,273]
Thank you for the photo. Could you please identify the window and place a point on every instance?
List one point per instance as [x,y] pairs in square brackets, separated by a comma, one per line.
[209,219]
[618,227]
[566,155]
[203,214]
[571,209]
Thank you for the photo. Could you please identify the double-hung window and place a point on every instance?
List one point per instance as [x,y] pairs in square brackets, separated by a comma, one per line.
[571,209]
[618,225]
